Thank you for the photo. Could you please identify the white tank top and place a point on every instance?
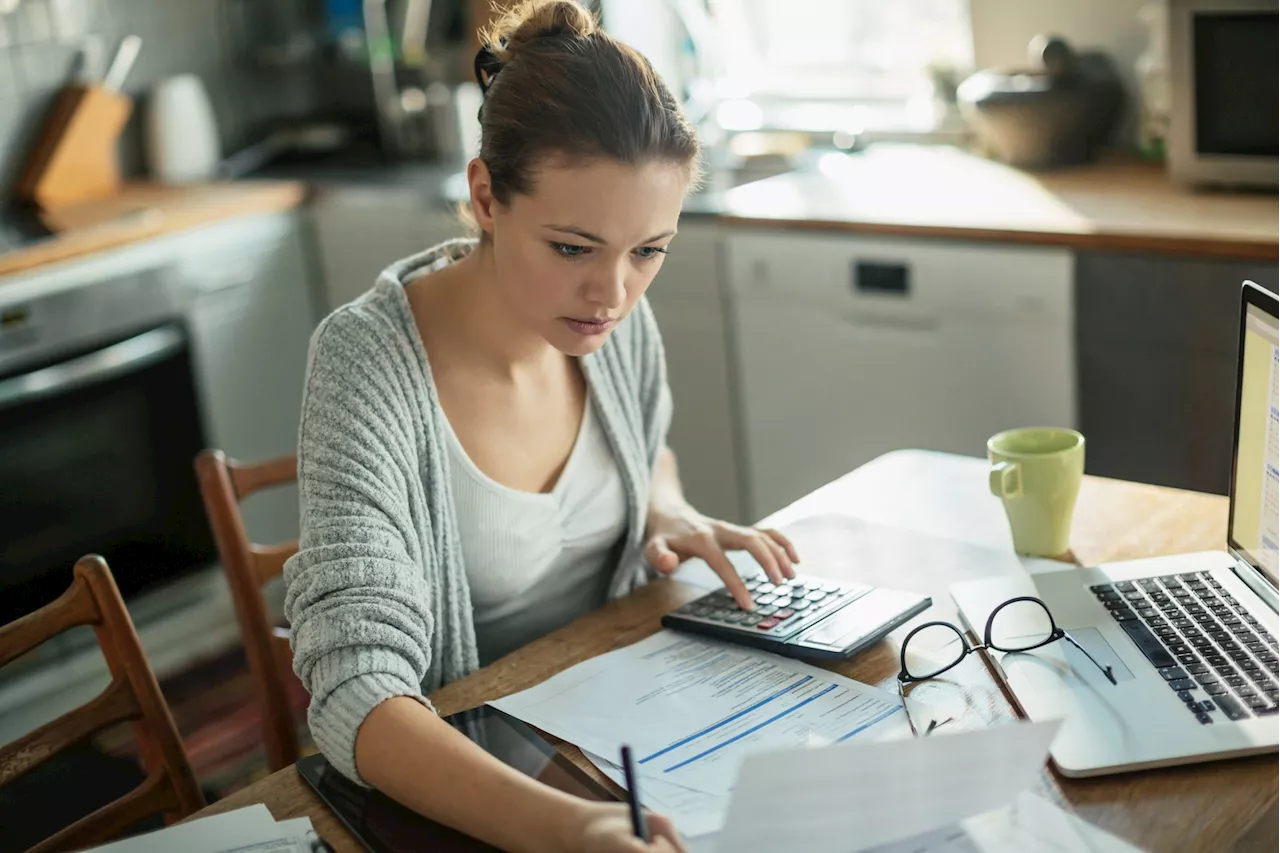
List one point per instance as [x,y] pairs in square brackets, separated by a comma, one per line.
[537,561]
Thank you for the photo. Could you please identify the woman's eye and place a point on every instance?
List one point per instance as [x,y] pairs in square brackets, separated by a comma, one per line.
[570,250]
[648,253]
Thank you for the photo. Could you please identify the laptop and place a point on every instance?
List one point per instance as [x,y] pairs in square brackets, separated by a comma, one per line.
[1191,638]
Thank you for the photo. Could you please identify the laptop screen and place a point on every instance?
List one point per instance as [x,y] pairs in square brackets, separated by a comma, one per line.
[1255,482]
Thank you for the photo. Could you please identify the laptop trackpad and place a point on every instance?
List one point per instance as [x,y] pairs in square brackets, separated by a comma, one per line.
[1062,666]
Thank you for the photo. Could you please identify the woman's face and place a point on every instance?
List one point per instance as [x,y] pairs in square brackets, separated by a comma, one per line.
[573,257]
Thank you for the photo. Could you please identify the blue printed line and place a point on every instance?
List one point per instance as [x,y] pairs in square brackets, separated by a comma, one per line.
[751,730]
[727,720]
[895,709]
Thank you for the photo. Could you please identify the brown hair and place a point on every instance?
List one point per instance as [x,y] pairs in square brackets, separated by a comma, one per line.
[556,84]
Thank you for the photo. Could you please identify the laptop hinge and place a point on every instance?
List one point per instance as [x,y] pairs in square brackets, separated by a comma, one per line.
[1252,579]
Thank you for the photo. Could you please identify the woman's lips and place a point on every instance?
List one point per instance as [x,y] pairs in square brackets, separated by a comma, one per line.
[589,327]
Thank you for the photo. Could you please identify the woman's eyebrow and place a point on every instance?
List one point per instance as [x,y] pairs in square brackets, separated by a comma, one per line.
[587,235]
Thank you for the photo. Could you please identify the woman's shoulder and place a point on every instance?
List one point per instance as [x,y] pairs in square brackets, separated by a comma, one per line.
[381,317]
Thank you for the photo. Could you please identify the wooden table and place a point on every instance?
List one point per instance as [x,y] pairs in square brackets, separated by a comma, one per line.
[925,506]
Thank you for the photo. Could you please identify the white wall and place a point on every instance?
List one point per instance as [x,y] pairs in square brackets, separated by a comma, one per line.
[1002,29]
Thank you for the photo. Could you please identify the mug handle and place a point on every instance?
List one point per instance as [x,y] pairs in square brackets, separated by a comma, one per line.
[1005,480]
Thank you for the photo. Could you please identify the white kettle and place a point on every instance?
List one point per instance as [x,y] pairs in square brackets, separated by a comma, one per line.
[183,146]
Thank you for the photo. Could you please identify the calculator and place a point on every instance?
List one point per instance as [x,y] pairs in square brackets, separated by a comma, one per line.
[808,617]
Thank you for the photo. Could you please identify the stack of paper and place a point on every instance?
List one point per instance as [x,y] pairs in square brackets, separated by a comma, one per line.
[248,830]
[692,709]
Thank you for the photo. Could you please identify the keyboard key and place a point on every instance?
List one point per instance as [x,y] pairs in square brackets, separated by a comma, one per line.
[1182,623]
[1147,612]
[1188,658]
[1185,696]
[1150,646]
[1233,709]
[1215,689]
[1207,706]
[1180,649]
[1125,615]
[1256,703]
[1116,604]
[1164,631]
[1225,669]
[1135,596]
[1207,678]
[1197,669]
[1183,684]
[1101,588]
[1171,673]
[1125,586]
[1200,642]
[1239,655]
[1149,584]
[1267,712]
[1204,718]
[1235,680]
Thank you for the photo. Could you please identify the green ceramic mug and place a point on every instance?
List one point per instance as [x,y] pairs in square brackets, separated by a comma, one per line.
[1036,471]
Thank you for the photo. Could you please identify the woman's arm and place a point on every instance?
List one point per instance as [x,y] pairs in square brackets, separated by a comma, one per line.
[465,787]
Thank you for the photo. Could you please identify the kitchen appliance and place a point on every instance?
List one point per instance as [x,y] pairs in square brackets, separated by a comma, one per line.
[99,423]
[1059,110]
[1222,62]
[182,132]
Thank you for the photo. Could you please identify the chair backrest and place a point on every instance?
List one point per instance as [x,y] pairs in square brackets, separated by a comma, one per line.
[223,484]
[133,695]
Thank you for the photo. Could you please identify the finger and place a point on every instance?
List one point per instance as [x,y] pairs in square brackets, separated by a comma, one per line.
[660,556]
[757,547]
[664,835]
[780,554]
[783,541]
[709,549]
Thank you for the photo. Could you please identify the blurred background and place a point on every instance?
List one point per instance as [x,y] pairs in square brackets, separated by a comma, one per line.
[923,222]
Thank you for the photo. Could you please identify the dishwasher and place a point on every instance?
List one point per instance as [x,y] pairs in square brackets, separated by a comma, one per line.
[847,347]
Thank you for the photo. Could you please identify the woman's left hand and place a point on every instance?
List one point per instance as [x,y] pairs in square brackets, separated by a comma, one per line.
[675,536]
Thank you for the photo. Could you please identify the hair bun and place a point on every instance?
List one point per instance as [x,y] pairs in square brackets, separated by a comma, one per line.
[531,20]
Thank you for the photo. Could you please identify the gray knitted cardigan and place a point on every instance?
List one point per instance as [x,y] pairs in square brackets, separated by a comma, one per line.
[377,596]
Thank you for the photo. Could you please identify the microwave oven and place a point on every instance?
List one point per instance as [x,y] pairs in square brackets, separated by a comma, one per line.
[1224,92]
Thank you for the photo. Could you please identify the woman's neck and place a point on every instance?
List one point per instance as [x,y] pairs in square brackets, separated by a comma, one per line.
[469,314]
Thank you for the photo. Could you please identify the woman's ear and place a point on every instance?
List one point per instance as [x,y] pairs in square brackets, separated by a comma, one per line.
[483,203]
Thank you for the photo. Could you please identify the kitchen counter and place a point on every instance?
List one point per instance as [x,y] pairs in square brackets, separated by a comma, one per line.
[944,192]
[143,211]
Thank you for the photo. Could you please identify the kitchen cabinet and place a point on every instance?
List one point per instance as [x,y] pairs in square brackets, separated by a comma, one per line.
[251,308]
[1157,343]
[361,229]
[850,346]
[688,300]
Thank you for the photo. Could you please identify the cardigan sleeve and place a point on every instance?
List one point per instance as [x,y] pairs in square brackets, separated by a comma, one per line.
[356,598]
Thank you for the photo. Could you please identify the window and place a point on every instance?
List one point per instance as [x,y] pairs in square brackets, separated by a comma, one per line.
[851,51]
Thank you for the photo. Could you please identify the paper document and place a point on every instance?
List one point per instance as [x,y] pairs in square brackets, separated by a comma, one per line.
[248,830]
[1026,825]
[853,797]
[693,708]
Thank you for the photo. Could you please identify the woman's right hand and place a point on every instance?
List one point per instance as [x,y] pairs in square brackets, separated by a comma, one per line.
[606,828]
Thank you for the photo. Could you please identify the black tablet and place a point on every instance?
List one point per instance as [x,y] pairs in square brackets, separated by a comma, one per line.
[384,826]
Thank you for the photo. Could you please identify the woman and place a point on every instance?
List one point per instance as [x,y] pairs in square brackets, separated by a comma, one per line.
[482,449]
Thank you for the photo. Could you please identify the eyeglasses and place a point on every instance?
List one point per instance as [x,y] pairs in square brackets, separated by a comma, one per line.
[1019,625]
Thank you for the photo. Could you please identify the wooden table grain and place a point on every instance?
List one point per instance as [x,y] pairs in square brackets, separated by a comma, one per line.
[1221,806]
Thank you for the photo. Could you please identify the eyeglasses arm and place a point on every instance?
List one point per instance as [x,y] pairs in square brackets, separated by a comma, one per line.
[1106,670]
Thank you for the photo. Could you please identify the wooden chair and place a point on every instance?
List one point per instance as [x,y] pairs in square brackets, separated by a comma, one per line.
[133,694]
[223,484]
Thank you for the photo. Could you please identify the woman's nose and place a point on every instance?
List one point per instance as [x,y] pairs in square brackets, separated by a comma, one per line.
[608,289]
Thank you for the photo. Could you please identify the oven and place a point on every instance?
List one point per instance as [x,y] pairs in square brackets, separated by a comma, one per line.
[99,426]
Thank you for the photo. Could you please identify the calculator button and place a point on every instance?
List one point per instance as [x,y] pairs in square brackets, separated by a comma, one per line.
[800,604]
[816,595]
[766,611]
[783,601]
[785,614]
[766,624]
[766,599]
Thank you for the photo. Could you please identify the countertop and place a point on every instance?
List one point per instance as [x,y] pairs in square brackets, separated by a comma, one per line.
[1122,205]
[897,190]
[144,211]
[939,191]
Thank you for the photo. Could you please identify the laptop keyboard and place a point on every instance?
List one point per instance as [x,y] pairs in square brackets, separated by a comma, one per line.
[1205,644]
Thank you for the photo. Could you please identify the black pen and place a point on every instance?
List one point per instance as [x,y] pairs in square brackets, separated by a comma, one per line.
[633,795]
